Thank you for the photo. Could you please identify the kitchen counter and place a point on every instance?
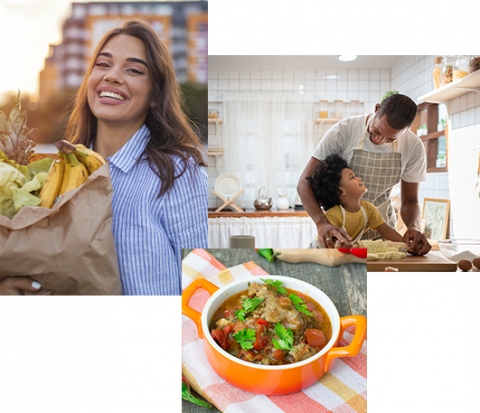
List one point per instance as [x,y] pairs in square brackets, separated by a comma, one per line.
[255,213]
[346,286]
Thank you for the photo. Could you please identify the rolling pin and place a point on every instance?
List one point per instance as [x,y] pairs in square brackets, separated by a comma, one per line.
[330,257]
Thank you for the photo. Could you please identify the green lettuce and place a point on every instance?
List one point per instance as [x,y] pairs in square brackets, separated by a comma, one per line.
[20,186]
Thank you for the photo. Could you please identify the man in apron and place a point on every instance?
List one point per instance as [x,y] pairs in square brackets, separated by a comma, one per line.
[380,149]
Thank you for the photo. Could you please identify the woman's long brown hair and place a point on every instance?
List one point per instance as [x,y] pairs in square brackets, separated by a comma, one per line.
[170,132]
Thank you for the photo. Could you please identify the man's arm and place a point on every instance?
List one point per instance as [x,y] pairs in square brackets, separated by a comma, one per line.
[324,228]
[411,216]
[304,189]
[410,210]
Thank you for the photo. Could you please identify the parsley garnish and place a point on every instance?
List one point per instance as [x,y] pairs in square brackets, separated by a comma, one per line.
[276,284]
[285,336]
[299,304]
[249,304]
[245,338]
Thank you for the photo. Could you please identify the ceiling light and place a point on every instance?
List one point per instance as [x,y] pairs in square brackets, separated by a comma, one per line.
[347,58]
[330,77]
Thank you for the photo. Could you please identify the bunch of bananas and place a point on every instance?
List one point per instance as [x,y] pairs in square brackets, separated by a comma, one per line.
[69,170]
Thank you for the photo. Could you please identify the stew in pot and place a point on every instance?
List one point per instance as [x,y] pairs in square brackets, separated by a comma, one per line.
[271,325]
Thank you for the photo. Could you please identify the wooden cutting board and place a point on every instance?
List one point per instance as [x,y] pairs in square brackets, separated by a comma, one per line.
[427,263]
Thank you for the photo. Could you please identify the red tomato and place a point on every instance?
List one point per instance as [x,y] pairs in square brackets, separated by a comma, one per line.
[315,338]
[227,329]
[345,250]
[229,313]
[220,337]
[261,321]
[278,354]
[359,252]
[260,343]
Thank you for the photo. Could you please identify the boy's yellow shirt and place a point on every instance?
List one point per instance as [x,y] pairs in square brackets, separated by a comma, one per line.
[354,221]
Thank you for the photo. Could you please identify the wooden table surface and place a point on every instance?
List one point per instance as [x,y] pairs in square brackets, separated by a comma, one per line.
[346,286]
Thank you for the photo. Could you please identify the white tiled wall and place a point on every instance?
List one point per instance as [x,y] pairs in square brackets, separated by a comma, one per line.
[367,86]
[412,75]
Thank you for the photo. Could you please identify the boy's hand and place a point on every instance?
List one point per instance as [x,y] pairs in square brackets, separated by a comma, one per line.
[329,234]
[416,242]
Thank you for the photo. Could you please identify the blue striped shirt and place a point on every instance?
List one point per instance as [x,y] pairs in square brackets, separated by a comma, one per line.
[150,232]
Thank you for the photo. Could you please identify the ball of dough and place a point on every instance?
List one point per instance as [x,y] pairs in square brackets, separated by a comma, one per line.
[476,262]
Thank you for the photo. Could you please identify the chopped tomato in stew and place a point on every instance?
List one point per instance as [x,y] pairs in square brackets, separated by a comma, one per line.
[274,328]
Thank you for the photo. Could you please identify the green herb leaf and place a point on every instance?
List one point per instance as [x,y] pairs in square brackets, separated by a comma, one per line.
[249,304]
[299,304]
[240,314]
[245,338]
[285,336]
[276,284]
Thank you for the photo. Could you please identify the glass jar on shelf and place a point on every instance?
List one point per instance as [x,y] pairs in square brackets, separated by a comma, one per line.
[212,113]
[338,113]
[474,64]
[436,71]
[446,75]
[323,109]
[461,67]
[355,108]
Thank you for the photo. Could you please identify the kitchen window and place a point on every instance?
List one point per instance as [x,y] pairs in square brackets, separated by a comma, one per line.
[432,130]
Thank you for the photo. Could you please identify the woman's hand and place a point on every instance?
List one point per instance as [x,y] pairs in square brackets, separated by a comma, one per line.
[16,285]
[330,236]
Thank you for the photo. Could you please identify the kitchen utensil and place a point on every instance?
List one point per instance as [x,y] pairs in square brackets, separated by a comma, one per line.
[459,249]
[263,202]
[282,203]
[330,257]
[266,379]
[228,186]
[241,241]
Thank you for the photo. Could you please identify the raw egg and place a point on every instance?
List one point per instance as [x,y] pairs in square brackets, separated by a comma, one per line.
[465,265]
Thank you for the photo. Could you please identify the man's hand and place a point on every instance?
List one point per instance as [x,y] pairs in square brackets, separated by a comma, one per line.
[329,236]
[416,242]
[16,285]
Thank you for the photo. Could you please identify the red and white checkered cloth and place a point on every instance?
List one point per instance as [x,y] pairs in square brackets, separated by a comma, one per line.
[341,390]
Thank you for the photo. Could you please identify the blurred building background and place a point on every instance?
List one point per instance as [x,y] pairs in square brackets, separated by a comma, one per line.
[182,26]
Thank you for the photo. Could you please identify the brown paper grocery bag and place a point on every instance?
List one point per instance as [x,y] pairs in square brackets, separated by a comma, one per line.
[69,249]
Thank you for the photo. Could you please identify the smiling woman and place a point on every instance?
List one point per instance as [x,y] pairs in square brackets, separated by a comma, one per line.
[128,109]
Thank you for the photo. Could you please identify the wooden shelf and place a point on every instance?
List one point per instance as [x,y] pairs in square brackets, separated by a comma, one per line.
[455,89]
[215,151]
[215,120]
[327,120]
[254,213]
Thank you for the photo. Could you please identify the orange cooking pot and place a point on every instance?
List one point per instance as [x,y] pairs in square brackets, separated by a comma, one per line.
[266,379]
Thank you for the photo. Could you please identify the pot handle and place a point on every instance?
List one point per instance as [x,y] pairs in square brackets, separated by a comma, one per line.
[354,347]
[194,315]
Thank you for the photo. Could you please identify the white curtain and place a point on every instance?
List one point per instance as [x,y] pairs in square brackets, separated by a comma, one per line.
[294,232]
[268,139]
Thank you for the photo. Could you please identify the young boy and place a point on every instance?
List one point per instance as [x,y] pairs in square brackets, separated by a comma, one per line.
[338,192]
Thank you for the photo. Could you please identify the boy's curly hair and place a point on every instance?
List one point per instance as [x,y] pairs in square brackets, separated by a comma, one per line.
[325,181]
